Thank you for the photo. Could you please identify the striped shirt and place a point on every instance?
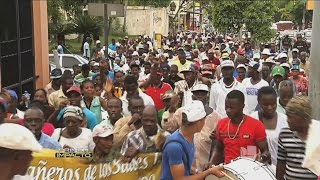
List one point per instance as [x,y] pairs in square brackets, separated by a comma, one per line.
[291,149]
[138,139]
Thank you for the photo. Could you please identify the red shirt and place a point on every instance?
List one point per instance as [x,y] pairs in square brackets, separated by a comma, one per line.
[250,132]
[156,93]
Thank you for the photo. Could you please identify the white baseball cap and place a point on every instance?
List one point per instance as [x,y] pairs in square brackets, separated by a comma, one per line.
[270,60]
[266,51]
[282,55]
[285,65]
[242,66]
[200,87]
[255,65]
[194,111]
[98,42]
[135,53]
[17,137]
[102,130]
[227,63]
[295,50]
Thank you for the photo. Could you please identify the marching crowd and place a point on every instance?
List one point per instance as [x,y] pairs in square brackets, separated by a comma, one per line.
[201,100]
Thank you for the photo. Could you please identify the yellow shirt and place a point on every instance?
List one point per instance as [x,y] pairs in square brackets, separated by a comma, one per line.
[181,66]
[56,98]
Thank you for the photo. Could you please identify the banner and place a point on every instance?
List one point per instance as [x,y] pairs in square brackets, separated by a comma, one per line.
[46,165]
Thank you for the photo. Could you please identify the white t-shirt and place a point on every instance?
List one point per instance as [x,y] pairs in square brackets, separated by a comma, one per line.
[86,47]
[251,92]
[273,135]
[82,142]
[218,94]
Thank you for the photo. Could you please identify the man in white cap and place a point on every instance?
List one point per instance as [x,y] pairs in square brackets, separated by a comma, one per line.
[295,57]
[226,84]
[252,84]
[103,138]
[265,54]
[16,146]
[179,149]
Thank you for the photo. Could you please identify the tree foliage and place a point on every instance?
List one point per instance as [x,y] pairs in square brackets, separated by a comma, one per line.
[292,10]
[257,16]
[85,24]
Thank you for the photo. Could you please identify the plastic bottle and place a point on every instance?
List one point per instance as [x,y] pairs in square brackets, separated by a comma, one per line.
[27,95]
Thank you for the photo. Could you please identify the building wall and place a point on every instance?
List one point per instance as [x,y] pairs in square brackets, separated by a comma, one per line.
[24,57]
[147,21]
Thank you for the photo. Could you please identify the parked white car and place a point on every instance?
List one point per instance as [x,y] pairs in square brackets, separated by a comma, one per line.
[66,61]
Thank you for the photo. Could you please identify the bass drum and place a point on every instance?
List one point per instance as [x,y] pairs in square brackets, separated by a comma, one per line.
[245,169]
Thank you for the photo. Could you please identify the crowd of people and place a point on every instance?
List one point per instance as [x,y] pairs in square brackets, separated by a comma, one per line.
[201,100]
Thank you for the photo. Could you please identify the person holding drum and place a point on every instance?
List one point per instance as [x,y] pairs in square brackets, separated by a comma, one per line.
[239,135]
[179,149]
[272,120]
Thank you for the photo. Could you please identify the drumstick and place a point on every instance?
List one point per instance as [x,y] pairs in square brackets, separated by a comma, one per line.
[227,175]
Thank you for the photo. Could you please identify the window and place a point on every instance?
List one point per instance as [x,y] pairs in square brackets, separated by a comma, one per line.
[68,62]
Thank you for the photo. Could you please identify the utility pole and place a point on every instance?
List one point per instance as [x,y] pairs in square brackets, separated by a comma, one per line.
[304,15]
[193,23]
[314,81]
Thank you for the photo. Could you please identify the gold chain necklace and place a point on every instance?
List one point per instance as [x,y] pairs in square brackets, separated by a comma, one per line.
[237,128]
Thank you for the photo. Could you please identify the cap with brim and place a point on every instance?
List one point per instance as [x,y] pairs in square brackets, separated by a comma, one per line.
[73,111]
[225,56]
[266,51]
[17,137]
[206,72]
[56,74]
[282,55]
[200,87]
[255,65]
[135,53]
[278,71]
[13,94]
[295,50]
[98,42]
[270,60]
[195,111]
[102,130]
[187,69]
[74,89]
[227,63]
[295,67]
[285,65]
[242,66]
[168,94]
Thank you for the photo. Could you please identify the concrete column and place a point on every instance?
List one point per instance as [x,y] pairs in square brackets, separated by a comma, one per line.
[314,81]
[41,49]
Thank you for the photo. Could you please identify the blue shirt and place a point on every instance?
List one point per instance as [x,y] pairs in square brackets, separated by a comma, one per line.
[48,143]
[109,75]
[113,47]
[174,154]
[90,116]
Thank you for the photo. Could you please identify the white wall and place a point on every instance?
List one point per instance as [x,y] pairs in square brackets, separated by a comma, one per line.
[147,20]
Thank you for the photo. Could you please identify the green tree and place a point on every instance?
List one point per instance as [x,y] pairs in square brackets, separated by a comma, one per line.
[85,24]
[257,16]
[227,16]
